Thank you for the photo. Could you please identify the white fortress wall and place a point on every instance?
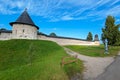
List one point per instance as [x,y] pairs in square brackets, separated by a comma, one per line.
[5,36]
[60,41]
[63,41]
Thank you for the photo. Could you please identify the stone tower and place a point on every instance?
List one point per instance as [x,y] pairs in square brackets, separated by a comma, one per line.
[24,27]
[96,40]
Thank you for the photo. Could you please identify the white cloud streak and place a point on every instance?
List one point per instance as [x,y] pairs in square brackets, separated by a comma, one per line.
[57,10]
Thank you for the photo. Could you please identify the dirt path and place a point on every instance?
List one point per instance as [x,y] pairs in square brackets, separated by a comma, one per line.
[94,66]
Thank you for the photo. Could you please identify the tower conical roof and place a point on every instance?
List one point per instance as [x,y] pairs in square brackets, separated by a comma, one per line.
[24,18]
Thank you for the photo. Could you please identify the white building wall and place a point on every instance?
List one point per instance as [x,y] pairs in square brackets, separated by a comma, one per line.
[63,41]
[23,31]
[5,36]
[60,41]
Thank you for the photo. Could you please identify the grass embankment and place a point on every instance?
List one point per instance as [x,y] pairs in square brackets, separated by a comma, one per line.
[95,51]
[34,60]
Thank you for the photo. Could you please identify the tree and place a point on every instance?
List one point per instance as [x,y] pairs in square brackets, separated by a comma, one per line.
[3,29]
[53,34]
[111,31]
[117,35]
[89,37]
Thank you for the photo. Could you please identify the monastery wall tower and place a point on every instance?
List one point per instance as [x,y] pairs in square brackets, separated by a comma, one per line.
[24,27]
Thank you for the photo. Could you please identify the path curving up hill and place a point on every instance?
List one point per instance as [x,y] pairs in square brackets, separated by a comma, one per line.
[94,66]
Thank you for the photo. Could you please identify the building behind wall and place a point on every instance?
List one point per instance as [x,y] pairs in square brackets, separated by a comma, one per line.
[25,28]
[5,34]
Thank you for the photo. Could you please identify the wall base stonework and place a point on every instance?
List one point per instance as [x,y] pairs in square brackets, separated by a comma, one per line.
[60,41]
[5,36]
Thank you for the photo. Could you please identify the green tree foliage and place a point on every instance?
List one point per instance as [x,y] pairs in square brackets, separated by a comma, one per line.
[3,29]
[53,34]
[111,31]
[89,37]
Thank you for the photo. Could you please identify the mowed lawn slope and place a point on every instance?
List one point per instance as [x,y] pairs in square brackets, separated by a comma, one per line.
[95,51]
[33,60]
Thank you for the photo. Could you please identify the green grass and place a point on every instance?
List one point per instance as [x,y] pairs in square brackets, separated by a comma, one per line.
[95,51]
[34,60]
[74,68]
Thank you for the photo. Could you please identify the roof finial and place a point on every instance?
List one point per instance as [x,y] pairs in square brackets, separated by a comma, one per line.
[25,9]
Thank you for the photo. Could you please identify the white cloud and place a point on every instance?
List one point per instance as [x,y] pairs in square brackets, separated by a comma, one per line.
[67,17]
[54,29]
[56,10]
[114,11]
[102,2]
[116,1]
[118,20]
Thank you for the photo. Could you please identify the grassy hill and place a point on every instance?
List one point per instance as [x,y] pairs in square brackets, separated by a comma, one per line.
[95,51]
[34,60]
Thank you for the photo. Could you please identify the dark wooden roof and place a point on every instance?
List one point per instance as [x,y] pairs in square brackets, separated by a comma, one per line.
[5,31]
[96,38]
[24,18]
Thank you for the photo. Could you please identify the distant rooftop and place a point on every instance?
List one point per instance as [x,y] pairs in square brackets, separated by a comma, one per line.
[24,18]
[5,31]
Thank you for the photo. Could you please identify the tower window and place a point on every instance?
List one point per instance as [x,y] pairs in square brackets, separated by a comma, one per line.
[23,30]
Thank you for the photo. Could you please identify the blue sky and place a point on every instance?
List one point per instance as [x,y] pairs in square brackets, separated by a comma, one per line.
[70,18]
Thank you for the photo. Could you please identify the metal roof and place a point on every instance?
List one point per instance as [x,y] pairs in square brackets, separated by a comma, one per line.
[24,18]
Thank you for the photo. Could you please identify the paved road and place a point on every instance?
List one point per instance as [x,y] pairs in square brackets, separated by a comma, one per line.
[94,66]
[112,72]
